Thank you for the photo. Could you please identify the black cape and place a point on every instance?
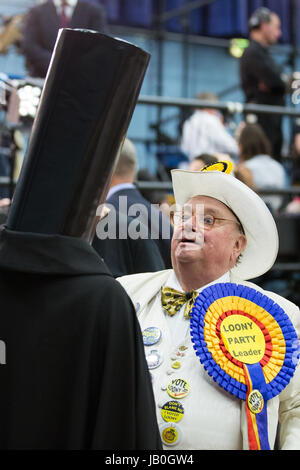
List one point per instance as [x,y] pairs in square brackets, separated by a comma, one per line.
[73,373]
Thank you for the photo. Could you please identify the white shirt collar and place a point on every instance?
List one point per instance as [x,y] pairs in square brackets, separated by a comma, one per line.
[119,187]
[71,4]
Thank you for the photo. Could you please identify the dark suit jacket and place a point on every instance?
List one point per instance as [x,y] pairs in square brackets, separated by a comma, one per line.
[158,226]
[41,28]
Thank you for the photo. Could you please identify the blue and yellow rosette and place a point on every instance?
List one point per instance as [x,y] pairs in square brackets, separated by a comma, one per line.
[248,345]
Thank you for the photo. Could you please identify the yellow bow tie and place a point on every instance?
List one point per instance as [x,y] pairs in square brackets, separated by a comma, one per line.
[172,300]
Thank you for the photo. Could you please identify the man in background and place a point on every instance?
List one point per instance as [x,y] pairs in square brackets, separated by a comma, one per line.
[262,80]
[205,132]
[43,22]
[127,199]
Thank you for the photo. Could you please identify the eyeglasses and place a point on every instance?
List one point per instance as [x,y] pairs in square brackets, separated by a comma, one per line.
[207,221]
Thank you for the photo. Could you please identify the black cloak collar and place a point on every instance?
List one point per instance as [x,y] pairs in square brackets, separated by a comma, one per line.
[48,254]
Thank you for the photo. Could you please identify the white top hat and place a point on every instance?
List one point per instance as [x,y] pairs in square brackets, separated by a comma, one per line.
[256,219]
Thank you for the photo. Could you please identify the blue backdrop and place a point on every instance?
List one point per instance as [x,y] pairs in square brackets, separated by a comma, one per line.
[222,18]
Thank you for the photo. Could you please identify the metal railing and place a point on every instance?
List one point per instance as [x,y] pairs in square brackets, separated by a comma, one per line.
[167,186]
[229,106]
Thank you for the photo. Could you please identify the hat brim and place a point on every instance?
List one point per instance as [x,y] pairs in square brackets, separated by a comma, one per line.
[257,221]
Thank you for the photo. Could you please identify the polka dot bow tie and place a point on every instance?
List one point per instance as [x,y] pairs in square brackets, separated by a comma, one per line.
[172,300]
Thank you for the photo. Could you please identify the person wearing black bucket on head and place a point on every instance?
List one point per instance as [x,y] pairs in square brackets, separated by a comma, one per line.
[72,370]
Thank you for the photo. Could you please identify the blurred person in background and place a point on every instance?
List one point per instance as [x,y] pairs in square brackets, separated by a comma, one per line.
[155,196]
[293,207]
[256,166]
[127,199]
[121,253]
[262,79]
[42,23]
[295,151]
[201,161]
[205,132]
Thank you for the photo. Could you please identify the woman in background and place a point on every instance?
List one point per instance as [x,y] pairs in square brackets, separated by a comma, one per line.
[257,168]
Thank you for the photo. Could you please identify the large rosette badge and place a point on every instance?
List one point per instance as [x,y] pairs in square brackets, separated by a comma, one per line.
[248,345]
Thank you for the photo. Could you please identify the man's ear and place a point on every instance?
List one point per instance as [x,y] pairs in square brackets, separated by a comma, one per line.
[238,248]
[240,245]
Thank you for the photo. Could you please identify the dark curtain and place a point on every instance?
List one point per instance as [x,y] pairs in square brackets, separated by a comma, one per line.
[221,18]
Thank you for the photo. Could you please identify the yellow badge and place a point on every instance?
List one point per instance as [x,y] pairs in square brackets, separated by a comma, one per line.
[255,401]
[176,364]
[224,167]
[172,411]
[170,434]
[243,339]
[178,388]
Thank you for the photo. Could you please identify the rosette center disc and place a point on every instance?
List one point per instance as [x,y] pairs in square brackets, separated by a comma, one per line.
[243,339]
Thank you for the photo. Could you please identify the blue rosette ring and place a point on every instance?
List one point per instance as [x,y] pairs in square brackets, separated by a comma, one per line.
[248,345]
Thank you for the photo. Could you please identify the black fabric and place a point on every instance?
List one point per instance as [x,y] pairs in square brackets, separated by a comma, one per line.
[75,375]
[77,133]
[256,66]
[159,221]
[125,256]
[41,28]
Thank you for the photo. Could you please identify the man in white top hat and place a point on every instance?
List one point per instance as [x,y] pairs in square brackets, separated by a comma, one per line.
[226,234]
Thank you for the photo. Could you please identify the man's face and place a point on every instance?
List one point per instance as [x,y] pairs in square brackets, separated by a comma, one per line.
[272,30]
[215,247]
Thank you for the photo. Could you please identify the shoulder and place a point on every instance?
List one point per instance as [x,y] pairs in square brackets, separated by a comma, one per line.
[92,7]
[265,162]
[103,298]
[252,52]
[97,286]
[143,287]
[40,9]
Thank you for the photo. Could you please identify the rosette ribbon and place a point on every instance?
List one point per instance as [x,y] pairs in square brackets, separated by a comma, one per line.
[248,345]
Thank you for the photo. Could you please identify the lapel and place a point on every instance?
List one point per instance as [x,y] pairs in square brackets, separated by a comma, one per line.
[50,15]
[78,15]
[145,296]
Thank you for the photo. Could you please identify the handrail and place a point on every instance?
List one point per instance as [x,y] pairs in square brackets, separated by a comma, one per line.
[229,106]
[167,186]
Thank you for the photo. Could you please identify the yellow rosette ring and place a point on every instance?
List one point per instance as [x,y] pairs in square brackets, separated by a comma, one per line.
[249,346]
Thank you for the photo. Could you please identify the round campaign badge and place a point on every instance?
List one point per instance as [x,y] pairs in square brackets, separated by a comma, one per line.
[176,365]
[255,401]
[170,434]
[137,307]
[178,388]
[151,335]
[172,411]
[154,359]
